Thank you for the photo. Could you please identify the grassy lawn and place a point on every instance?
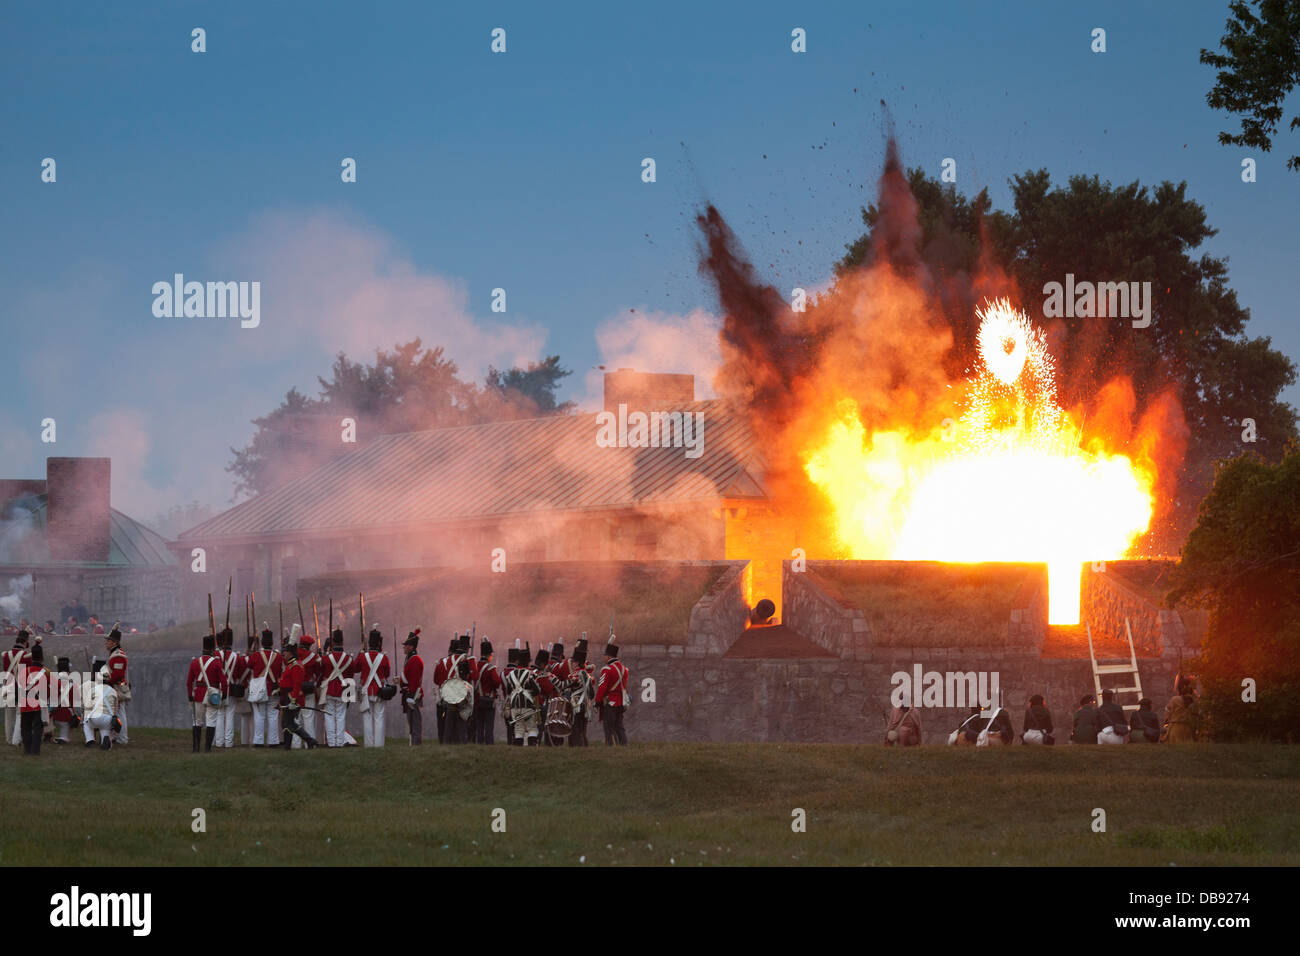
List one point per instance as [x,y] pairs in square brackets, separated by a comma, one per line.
[657,804]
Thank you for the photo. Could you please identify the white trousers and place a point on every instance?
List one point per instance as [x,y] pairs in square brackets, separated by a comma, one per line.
[205,715]
[266,723]
[307,720]
[225,724]
[372,723]
[13,728]
[1106,737]
[1033,737]
[91,724]
[120,736]
[336,714]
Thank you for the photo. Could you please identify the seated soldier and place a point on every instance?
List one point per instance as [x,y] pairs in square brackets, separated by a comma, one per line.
[903,728]
[1145,724]
[1085,721]
[1038,722]
[968,733]
[1111,720]
[999,730]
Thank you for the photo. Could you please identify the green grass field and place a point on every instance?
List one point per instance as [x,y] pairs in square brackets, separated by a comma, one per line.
[655,804]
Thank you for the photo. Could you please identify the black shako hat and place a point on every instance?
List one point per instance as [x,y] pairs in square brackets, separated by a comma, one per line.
[376,640]
[484,648]
[209,643]
[336,638]
[412,640]
[268,638]
[557,651]
[580,651]
[63,665]
[543,658]
[611,649]
[115,635]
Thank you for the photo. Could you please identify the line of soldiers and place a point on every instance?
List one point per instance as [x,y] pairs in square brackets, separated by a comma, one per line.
[40,704]
[280,699]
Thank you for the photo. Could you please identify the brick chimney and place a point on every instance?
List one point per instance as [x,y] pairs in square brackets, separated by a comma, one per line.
[79,519]
[643,391]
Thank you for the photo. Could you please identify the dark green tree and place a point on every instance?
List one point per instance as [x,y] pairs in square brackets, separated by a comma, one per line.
[1258,66]
[1242,564]
[531,387]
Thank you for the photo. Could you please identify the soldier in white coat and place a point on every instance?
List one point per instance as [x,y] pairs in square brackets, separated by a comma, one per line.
[98,704]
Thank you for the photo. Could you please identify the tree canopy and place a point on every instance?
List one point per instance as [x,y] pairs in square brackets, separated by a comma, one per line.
[1259,66]
[1242,563]
[409,388]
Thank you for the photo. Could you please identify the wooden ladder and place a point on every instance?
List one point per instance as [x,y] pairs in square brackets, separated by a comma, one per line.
[1130,668]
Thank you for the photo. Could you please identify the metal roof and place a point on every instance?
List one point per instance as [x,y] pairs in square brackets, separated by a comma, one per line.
[501,469]
[25,545]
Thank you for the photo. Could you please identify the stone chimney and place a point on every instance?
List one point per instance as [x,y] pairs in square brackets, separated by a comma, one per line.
[79,518]
[644,391]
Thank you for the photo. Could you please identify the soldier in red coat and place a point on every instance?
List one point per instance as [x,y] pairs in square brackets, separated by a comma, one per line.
[486,686]
[296,690]
[546,690]
[10,661]
[457,652]
[230,666]
[611,696]
[411,687]
[117,679]
[310,662]
[336,688]
[371,671]
[206,686]
[264,668]
[584,688]
[62,693]
[559,667]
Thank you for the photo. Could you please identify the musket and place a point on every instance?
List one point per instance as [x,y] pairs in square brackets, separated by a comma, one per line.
[331,617]
[301,620]
[281,640]
[248,619]
[315,620]
[363,621]
[230,589]
[212,621]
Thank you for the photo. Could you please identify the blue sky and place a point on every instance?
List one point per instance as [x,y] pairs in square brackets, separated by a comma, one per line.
[521,170]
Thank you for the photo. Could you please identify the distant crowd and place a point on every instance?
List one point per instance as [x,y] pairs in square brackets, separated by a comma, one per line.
[1106,723]
[73,625]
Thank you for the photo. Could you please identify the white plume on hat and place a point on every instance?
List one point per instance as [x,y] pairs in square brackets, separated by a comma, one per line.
[295,632]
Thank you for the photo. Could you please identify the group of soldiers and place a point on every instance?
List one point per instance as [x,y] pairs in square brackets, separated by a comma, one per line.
[282,697]
[40,704]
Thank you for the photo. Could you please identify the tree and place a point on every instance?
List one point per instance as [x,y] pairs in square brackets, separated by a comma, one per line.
[1260,65]
[410,388]
[1242,563]
[532,388]
[1196,342]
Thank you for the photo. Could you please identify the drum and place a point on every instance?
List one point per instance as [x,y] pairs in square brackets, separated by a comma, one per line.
[559,717]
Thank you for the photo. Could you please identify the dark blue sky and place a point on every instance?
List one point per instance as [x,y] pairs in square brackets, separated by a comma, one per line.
[522,170]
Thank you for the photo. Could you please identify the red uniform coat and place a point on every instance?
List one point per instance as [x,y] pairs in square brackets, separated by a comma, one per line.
[362,665]
[194,684]
[11,660]
[291,683]
[559,670]
[116,667]
[33,688]
[412,680]
[340,661]
[260,662]
[230,666]
[544,682]
[488,681]
[613,684]
[61,697]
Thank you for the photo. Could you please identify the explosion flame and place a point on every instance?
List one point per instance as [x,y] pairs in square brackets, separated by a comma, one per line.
[1009,481]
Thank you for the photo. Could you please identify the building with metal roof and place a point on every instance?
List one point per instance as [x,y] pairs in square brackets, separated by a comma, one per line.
[602,486]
